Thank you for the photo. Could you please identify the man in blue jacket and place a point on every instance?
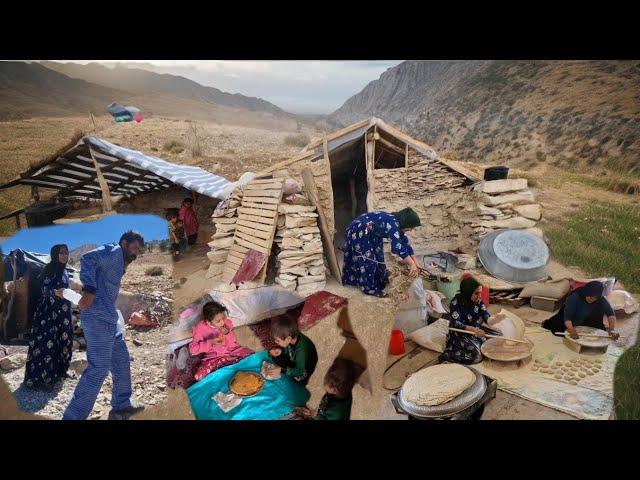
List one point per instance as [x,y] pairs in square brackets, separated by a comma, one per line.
[101,271]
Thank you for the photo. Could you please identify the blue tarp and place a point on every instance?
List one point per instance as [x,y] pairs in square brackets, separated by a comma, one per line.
[277,398]
[26,261]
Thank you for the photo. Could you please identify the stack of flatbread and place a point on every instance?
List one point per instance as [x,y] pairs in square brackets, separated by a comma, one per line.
[437,384]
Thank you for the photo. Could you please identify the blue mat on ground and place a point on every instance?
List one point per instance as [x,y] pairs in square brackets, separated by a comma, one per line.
[276,399]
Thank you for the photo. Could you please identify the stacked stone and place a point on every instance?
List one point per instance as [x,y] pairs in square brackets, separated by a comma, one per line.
[300,260]
[224,221]
[508,204]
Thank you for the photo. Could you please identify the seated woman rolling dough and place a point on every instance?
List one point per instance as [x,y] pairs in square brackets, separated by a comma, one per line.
[586,306]
[469,313]
[364,265]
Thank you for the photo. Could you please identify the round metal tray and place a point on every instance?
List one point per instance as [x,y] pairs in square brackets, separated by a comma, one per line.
[514,256]
[467,398]
[251,394]
[496,349]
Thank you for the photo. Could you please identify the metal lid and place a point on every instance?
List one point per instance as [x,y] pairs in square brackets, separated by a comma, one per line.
[467,398]
[514,255]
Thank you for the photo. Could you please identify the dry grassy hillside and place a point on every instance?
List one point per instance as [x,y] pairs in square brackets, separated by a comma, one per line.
[576,115]
[226,150]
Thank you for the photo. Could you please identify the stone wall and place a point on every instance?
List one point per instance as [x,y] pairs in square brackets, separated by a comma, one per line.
[157,203]
[447,207]
[506,203]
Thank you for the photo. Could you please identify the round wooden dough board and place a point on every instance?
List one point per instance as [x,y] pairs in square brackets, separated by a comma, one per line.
[505,351]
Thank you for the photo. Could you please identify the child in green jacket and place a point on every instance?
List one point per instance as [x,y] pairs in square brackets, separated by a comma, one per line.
[296,355]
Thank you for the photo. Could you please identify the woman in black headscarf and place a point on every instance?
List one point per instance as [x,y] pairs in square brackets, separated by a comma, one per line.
[586,306]
[50,343]
[467,312]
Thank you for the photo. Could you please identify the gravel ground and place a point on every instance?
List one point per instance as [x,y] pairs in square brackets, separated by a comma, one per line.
[147,373]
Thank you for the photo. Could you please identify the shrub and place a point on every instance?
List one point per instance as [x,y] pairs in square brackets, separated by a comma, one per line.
[298,140]
[173,146]
[195,139]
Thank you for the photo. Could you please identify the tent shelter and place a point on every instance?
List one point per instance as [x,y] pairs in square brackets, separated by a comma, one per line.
[92,169]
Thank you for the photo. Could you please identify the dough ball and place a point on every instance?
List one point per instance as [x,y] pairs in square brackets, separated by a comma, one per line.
[582,374]
[560,364]
[557,375]
[573,382]
[534,368]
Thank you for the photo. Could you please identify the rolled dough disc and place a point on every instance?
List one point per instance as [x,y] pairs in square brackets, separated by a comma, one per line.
[437,384]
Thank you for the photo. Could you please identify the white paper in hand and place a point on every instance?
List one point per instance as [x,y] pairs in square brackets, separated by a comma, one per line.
[73,297]
[120,318]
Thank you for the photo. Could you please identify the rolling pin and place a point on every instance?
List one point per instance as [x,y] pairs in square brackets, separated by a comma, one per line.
[489,336]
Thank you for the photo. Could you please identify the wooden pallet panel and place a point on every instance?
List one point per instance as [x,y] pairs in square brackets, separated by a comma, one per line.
[256,225]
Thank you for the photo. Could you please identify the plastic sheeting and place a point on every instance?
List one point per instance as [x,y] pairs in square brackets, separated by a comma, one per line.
[247,305]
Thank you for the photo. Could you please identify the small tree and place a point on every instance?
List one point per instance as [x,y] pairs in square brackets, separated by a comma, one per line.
[195,139]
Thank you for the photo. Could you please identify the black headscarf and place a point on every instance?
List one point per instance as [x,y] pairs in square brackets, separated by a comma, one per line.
[467,287]
[408,218]
[54,267]
[591,289]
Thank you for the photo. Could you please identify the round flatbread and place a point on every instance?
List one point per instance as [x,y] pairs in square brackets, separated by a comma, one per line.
[437,384]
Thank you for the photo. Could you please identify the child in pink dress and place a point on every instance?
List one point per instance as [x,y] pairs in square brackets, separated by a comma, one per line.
[214,341]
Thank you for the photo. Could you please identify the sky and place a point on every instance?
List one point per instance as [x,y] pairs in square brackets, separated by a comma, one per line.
[105,230]
[297,86]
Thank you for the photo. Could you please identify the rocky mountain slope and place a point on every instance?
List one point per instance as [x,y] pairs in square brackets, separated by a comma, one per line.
[29,90]
[139,80]
[573,114]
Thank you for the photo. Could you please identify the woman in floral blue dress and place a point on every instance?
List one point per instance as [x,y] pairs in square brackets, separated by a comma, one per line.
[50,343]
[467,312]
[364,265]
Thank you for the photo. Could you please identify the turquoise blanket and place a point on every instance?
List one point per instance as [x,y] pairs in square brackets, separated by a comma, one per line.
[276,399]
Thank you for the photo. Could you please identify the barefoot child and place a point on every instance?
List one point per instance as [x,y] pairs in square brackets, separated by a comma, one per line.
[214,340]
[296,354]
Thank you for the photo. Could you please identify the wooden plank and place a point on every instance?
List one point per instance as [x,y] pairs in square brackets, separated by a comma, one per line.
[253,232]
[249,237]
[253,246]
[239,256]
[261,193]
[238,249]
[259,199]
[263,206]
[274,186]
[253,218]
[262,181]
[256,212]
[330,215]
[340,132]
[312,192]
[257,226]
[106,195]
[234,260]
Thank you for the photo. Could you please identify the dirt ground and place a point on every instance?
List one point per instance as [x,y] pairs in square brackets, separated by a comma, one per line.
[146,348]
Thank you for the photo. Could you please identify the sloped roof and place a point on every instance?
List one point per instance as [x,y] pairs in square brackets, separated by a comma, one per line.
[127,172]
[356,131]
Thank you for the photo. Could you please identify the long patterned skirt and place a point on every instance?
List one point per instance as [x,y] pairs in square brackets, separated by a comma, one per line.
[50,344]
[209,365]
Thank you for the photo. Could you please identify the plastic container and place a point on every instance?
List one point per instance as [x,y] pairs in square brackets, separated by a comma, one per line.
[396,344]
[484,296]
[496,173]
[449,289]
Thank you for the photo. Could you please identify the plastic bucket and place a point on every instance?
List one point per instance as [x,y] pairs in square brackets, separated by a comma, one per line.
[496,173]
[396,344]
[485,295]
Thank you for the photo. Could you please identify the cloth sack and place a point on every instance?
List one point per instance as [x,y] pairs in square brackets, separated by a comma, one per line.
[552,289]
[622,300]
[433,337]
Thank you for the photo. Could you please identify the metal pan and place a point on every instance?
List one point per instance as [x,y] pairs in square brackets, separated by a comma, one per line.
[467,398]
[251,394]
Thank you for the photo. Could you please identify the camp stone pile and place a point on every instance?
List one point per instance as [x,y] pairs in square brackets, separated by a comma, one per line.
[224,219]
[300,261]
[508,204]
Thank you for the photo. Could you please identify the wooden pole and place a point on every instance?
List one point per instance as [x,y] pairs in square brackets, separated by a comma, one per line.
[104,186]
[312,191]
[95,129]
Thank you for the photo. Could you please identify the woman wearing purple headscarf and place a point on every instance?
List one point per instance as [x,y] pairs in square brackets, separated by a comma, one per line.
[586,306]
